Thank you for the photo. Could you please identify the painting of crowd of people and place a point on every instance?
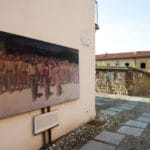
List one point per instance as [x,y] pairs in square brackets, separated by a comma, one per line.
[26,64]
[20,72]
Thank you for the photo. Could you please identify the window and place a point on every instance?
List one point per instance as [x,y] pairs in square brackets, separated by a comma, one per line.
[127,64]
[143,65]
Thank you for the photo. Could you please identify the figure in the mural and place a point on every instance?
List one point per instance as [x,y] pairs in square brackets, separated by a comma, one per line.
[66,73]
[25,65]
[32,73]
[40,75]
[19,73]
[56,74]
[47,79]
[74,72]
[10,73]
[62,72]
[71,72]
[2,63]
[4,73]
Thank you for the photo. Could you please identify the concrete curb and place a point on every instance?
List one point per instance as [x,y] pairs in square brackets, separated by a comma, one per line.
[123,97]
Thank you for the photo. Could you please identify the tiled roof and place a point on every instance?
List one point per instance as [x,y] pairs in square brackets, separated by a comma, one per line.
[136,54]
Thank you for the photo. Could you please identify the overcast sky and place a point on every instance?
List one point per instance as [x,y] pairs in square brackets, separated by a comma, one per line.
[124,26]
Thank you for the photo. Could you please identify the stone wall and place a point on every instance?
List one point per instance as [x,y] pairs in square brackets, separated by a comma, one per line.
[122,81]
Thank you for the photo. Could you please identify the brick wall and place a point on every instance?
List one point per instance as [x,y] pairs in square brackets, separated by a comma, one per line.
[123,81]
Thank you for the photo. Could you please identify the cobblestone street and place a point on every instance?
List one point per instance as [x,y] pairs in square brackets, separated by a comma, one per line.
[119,125]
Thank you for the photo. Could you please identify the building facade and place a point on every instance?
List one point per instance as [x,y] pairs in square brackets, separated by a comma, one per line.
[66,23]
[139,60]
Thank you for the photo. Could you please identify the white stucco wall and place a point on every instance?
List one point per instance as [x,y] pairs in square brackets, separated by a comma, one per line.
[60,22]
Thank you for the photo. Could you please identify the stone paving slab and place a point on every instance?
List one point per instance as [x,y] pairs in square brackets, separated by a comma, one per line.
[144,119]
[98,99]
[132,103]
[128,105]
[146,114]
[137,124]
[99,103]
[110,137]
[130,131]
[125,107]
[108,112]
[117,109]
[93,145]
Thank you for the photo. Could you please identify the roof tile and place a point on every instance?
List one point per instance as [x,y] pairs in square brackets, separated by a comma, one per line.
[136,54]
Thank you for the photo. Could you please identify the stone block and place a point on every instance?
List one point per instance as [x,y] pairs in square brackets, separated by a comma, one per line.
[125,107]
[98,100]
[137,124]
[129,105]
[130,131]
[99,104]
[132,103]
[144,119]
[146,114]
[108,112]
[94,145]
[110,137]
[115,109]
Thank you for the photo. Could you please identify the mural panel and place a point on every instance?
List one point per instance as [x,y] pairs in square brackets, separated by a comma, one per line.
[35,74]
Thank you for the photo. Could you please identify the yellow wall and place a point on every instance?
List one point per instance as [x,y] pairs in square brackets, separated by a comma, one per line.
[61,22]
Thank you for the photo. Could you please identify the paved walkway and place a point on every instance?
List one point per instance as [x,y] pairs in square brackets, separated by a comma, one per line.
[110,140]
[107,140]
[115,110]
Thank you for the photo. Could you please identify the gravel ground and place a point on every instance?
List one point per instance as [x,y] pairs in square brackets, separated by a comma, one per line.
[77,138]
